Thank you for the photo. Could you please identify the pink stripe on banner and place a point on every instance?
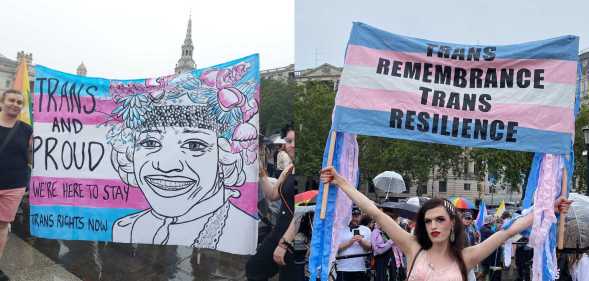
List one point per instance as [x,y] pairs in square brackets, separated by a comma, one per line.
[113,193]
[99,193]
[103,107]
[248,200]
[547,118]
[556,71]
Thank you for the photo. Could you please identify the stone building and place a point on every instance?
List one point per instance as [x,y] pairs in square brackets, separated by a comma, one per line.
[186,63]
[584,59]
[8,69]
[81,70]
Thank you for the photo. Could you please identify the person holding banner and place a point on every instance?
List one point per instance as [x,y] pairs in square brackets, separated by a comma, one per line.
[275,254]
[15,152]
[437,248]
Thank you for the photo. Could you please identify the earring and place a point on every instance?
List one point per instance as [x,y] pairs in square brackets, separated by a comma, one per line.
[452,238]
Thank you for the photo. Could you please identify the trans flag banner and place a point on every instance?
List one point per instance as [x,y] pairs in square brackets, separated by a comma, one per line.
[516,97]
[166,161]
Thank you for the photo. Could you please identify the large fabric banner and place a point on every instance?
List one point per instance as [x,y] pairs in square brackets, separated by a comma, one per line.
[515,97]
[168,161]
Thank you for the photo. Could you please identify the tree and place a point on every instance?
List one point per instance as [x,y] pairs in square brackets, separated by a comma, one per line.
[277,102]
[312,120]
[511,167]
[413,160]
[580,173]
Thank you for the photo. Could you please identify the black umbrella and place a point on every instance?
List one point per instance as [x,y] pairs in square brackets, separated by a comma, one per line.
[403,209]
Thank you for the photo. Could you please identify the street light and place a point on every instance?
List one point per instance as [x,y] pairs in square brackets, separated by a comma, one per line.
[586,136]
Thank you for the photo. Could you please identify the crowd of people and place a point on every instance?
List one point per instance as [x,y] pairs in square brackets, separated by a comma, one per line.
[440,242]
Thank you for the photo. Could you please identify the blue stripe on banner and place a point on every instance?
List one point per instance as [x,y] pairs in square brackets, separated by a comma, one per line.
[559,48]
[533,180]
[44,83]
[376,123]
[75,223]
[322,235]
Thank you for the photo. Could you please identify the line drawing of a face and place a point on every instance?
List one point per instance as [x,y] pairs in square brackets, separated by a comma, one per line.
[176,167]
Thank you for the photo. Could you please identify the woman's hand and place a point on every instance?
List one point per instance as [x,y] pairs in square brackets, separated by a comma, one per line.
[279,254]
[263,173]
[562,205]
[286,172]
[330,175]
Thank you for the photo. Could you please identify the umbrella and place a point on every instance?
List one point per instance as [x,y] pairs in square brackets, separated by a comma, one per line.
[389,181]
[301,210]
[417,201]
[577,223]
[462,203]
[306,197]
[404,209]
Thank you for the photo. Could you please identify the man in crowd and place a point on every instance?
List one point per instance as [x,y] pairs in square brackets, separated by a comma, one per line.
[354,240]
[15,155]
[491,266]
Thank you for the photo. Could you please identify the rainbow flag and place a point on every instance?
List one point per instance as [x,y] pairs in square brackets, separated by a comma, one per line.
[21,83]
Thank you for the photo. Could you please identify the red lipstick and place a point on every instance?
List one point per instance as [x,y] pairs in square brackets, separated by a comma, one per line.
[435,233]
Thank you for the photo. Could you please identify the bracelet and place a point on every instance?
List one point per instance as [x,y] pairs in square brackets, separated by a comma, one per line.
[287,245]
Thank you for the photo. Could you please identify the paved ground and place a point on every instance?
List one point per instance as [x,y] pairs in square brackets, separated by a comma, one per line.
[23,262]
[29,258]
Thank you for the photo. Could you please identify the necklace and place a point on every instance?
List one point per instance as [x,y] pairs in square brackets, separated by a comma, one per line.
[212,230]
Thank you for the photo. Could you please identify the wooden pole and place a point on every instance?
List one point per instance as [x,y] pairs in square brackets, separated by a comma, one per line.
[561,221]
[326,186]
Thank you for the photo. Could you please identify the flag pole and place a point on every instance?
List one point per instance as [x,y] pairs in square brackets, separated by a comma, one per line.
[561,221]
[329,163]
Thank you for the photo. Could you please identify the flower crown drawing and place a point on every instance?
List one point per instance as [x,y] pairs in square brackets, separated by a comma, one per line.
[219,99]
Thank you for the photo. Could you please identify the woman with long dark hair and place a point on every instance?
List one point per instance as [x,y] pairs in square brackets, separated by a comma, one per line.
[436,250]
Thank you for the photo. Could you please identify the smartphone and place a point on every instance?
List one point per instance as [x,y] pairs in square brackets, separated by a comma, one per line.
[356,232]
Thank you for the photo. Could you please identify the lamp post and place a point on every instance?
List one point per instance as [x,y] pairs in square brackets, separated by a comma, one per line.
[586,136]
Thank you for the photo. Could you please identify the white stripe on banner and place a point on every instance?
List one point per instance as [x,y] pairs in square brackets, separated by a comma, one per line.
[553,94]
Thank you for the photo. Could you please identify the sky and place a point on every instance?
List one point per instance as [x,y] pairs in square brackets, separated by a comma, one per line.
[322,27]
[129,39]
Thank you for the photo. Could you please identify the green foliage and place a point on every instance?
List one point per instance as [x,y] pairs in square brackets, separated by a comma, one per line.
[312,120]
[277,102]
[510,167]
[580,173]
[415,161]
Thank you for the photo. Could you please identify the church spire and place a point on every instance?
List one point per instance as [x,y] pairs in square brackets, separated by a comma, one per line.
[186,63]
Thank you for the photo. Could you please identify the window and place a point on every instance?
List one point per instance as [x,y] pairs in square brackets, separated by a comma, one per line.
[467,186]
[442,186]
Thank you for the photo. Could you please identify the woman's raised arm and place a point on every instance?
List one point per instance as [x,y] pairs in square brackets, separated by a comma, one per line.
[406,241]
[475,254]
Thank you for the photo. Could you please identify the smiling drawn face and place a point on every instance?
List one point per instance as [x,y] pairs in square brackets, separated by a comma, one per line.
[176,167]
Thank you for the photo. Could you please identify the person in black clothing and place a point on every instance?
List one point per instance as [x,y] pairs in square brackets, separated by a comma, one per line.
[275,253]
[523,259]
[492,264]
[15,156]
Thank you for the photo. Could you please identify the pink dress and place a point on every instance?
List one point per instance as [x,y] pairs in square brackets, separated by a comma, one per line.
[423,271]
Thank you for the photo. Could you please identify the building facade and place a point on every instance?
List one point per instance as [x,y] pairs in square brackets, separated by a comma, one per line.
[8,69]
[584,60]
[186,63]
